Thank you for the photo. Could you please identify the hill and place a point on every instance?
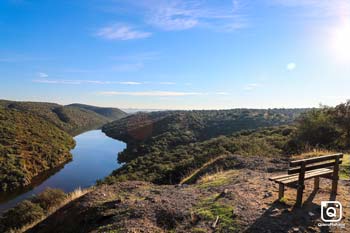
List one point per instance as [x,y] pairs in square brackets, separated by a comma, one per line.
[35,137]
[164,147]
[109,113]
[29,145]
[72,119]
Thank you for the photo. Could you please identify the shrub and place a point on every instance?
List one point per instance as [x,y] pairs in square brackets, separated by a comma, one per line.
[49,198]
[22,214]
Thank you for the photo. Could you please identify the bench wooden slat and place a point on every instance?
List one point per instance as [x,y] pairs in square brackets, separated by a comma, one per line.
[279,177]
[314,160]
[308,175]
[313,167]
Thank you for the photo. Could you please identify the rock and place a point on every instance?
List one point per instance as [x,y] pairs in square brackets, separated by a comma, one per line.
[268,194]
[275,210]
[295,229]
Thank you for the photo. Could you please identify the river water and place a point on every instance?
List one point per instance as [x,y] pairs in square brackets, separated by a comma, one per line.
[94,157]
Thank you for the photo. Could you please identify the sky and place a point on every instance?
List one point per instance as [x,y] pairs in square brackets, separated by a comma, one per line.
[176,54]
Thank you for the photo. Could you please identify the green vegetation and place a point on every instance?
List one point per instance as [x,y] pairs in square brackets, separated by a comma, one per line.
[345,168]
[73,119]
[211,208]
[164,147]
[29,145]
[29,212]
[324,128]
[35,137]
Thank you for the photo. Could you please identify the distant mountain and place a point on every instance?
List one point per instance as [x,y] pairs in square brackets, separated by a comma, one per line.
[73,119]
[110,113]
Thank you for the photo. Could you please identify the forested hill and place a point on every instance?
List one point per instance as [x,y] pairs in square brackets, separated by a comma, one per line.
[163,147]
[202,125]
[73,119]
[29,145]
[35,137]
[109,113]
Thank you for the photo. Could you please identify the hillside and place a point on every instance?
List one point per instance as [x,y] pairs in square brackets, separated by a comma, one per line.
[178,177]
[109,113]
[242,200]
[29,145]
[163,147]
[35,137]
[72,119]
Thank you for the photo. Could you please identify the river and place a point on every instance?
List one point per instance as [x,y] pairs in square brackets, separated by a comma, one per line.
[94,157]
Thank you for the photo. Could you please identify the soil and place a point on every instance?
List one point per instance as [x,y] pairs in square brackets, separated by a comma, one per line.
[243,200]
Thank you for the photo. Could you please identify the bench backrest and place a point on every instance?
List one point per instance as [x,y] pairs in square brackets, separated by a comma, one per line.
[314,163]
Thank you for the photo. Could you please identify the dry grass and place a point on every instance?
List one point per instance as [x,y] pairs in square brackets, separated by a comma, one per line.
[194,173]
[217,179]
[70,197]
[313,153]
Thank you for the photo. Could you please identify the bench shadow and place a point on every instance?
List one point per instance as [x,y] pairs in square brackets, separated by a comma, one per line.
[283,218]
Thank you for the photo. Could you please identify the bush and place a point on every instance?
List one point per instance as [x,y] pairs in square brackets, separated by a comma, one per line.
[22,214]
[49,198]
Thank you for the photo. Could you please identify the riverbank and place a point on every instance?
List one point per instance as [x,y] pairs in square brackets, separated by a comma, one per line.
[94,157]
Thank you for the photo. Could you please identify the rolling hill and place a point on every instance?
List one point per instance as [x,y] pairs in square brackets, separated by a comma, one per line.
[35,137]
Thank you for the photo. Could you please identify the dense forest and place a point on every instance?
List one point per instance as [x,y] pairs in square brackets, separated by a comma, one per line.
[35,137]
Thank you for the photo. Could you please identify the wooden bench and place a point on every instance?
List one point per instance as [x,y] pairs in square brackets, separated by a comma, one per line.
[300,170]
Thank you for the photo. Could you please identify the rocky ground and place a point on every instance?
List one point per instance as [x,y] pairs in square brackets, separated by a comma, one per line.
[241,200]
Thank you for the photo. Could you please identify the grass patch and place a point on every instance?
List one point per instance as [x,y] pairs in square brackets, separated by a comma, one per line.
[211,207]
[345,168]
[217,179]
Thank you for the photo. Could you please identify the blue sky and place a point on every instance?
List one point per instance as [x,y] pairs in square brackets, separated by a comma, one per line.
[176,54]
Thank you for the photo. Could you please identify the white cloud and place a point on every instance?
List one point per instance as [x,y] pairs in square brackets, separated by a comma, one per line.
[78,82]
[222,93]
[176,15]
[130,83]
[42,75]
[291,66]
[251,86]
[150,93]
[121,32]
[167,83]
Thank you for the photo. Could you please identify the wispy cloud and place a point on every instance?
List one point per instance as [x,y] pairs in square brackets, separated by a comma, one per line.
[150,93]
[251,86]
[42,75]
[176,15]
[121,32]
[78,82]
[167,83]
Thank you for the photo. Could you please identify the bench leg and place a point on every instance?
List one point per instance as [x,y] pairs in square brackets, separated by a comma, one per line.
[316,183]
[281,191]
[300,191]
[334,186]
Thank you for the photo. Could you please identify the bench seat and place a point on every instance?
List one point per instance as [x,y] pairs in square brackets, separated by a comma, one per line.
[288,179]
